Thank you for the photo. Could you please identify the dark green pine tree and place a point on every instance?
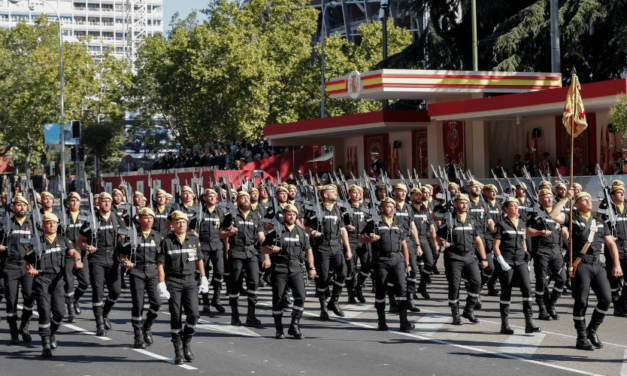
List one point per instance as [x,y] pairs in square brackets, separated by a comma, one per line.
[515,36]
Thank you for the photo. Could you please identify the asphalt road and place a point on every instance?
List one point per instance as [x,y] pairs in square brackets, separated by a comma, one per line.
[338,347]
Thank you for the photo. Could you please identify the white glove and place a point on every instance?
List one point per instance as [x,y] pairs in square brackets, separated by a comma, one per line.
[163,291]
[204,286]
[504,265]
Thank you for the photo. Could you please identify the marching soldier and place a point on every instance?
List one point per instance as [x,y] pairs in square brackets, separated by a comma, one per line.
[287,253]
[510,249]
[390,259]
[405,215]
[212,248]
[245,230]
[179,256]
[361,250]
[161,213]
[14,252]
[459,240]
[478,212]
[142,263]
[47,201]
[103,262]
[546,241]
[116,208]
[426,230]
[47,271]
[494,216]
[72,295]
[587,238]
[187,205]
[329,235]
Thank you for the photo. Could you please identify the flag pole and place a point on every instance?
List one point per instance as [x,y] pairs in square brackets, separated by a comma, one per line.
[572,202]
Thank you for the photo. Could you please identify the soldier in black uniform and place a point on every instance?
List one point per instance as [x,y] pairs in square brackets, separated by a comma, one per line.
[377,167]
[426,230]
[620,233]
[546,240]
[117,208]
[495,215]
[588,236]
[47,271]
[179,256]
[390,259]
[355,281]
[161,213]
[518,166]
[459,240]
[103,261]
[75,221]
[329,235]
[187,203]
[244,232]
[478,211]
[510,250]
[142,262]
[47,201]
[405,215]
[13,251]
[287,253]
[211,242]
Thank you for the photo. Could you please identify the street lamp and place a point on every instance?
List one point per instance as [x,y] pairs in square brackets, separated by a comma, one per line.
[62,139]
[332,4]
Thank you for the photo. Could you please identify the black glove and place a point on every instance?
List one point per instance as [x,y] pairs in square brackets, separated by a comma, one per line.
[527,257]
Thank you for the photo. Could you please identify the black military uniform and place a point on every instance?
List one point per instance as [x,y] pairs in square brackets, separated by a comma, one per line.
[287,273]
[361,251]
[328,253]
[143,277]
[512,247]
[213,251]
[547,262]
[423,221]
[459,258]
[72,295]
[620,232]
[104,267]
[479,213]
[161,217]
[496,215]
[179,259]
[389,265]
[589,274]
[404,214]
[15,275]
[242,257]
[48,287]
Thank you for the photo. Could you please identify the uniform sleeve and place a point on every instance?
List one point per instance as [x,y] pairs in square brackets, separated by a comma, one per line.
[85,230]
[30,257]
[258,224]
[441,232]
[161,250]
[269,239]
[566,220]
[499,231]
[532,221]
[69,246]
[199,254]
[304,242]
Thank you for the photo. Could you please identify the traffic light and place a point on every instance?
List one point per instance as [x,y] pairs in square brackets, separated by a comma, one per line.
[73,154]
[76,129]
[81,154]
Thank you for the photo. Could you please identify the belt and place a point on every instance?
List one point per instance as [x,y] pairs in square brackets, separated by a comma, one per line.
[330,242]
[15,262]
[143,265]
[180,276]
[549,246]
[48,275]
[588,258]
[287,262]
[457,251]
[387,254]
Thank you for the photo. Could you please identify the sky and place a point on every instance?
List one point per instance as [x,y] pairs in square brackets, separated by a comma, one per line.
[184,7]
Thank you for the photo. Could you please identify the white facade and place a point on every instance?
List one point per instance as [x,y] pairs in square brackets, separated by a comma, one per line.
[117,24]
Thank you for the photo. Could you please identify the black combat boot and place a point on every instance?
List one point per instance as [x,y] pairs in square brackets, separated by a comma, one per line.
[582,336]
[405,326]
[24,331]
[47,351]
[251,319]
[528,312]
[555,295]
[359,294]
[543,313]
[101,331]
[278,324]
[13,329]
[147,328]
[294,329]
[457,319]
[106,310]
[178,348]
[591,331]
[234,303]
[469,314]
[324,312]
[350,290]
[215,300]
[69,303]
[188,333]
[53,338]
[393,303]
[334,301]
[139,338]
[422,287]
[505,328]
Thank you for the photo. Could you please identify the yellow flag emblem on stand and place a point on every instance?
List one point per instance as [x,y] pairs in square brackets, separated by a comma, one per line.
[574,117]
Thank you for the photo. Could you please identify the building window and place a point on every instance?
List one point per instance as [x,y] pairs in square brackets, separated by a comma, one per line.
[94,48]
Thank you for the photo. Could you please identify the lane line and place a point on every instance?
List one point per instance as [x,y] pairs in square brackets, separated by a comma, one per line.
[354,310]
[522,344]
[430,324]
[84,331]
[162,358]
[223,327]
[624,370]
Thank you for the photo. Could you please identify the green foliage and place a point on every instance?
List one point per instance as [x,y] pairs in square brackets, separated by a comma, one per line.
[618,114]
[30,86]
[245,68]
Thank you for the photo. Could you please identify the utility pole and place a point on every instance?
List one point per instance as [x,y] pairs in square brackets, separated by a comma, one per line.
[475,49]
[555,37]
[383,15]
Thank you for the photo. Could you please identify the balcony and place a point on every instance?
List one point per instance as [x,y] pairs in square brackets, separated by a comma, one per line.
[107,23]
[94,23]
[107,10]
[80,9]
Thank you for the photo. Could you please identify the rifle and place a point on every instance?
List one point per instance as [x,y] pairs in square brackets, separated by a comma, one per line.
[447,200]
[375,214]
[131,239]
[508,181]
[35,240]
[528,177]
[64,219]
[230,208]
[316,207]
[91,219]
[605,194]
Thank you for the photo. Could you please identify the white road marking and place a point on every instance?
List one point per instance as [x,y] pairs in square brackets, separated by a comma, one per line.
[35,313]
[471,348]
[354,310]
[624,369]
[522,344]
[81,330]
[163,358]
[222,327]
[430,324]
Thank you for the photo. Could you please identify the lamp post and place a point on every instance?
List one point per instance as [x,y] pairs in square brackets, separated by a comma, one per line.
[62,131]
[333,4]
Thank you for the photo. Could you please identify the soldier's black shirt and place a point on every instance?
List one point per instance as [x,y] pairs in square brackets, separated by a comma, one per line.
[210,229]
[293,244]
[423,221]
[581,231]
[15,249]
[106,238]
[179,259]
[405,217]
[541,223]
[145,258]
[330,225]
[512,240]
[358,221]
[461,236]
[52,256]
[190,209]
[248,229]
[160,219]
[390,238]
[121,213]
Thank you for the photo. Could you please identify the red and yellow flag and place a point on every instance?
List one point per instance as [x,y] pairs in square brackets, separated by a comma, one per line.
[574,117]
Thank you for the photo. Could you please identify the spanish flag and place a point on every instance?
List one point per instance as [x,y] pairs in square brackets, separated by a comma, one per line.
[574,117]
